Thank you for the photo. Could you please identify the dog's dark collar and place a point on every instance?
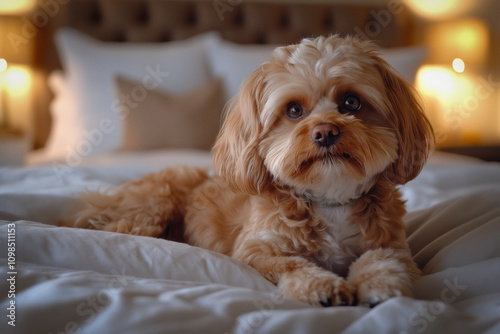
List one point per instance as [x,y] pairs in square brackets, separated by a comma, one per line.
[331,205]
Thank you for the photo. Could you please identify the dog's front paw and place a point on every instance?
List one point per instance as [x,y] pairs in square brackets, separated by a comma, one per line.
[324,288]
[375,291]
[379,275]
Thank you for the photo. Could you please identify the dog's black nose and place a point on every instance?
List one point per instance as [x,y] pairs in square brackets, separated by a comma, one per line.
[325,134]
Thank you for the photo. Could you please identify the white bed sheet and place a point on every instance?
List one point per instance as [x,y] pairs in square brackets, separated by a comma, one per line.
[83,281]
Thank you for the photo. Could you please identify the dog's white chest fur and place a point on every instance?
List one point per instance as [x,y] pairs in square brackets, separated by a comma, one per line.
[341,243]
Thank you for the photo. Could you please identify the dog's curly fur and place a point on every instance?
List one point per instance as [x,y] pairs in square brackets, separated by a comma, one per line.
[308,161]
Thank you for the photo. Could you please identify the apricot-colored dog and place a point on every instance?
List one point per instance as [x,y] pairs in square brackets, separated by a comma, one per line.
[307,161]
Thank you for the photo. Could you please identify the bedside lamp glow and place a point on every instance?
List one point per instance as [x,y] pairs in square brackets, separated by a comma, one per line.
[451,102]
[15,88]
[18,80]
[436,81]
[16,72]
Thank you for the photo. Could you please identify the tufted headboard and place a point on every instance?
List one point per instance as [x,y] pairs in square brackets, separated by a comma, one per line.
[240,21]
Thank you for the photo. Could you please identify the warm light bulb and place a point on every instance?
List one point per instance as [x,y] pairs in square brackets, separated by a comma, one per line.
[458,65]
[18,80]
[3,65]
[435,81]
[17,6]
[439,9]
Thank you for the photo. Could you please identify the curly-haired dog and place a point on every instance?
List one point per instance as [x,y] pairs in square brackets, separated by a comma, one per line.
[307,166]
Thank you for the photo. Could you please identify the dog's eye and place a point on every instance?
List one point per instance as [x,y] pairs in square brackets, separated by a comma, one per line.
[351,103]
[294,110]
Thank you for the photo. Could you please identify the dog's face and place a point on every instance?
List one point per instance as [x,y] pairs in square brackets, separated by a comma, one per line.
[324,117]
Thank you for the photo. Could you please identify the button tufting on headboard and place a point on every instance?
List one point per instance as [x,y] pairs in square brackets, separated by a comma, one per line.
[246,22]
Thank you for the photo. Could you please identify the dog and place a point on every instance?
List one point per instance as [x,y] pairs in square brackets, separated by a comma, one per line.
[308,163]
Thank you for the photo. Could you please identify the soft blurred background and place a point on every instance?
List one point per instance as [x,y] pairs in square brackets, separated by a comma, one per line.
[459,80]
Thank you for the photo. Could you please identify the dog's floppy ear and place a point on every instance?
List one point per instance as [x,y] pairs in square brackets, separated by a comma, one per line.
[236,151]
[415,134]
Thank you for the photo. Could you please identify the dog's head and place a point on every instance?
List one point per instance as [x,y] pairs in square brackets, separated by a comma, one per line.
[324,117]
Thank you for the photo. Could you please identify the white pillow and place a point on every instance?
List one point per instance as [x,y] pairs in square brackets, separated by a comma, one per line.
[65,120]
[234,62]
[91,66]
[406,60]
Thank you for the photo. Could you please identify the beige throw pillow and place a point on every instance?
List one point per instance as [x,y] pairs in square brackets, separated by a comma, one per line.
[154,119]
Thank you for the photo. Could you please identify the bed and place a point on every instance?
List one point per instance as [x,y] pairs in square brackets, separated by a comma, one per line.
[106,128]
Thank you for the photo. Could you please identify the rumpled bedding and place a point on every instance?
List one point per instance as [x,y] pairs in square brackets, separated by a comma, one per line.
[65,280]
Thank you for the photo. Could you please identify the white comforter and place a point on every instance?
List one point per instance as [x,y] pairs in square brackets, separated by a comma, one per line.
[66,280]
